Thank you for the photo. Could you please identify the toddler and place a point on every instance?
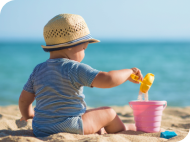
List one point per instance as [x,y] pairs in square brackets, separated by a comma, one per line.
[57,84]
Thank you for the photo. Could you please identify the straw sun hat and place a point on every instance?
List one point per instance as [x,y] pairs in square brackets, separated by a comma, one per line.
[65,31]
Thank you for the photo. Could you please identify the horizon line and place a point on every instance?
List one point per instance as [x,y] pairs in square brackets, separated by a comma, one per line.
[13,39]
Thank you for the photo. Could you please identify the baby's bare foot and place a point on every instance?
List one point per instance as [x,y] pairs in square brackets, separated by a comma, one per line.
[102,131]
[130,127]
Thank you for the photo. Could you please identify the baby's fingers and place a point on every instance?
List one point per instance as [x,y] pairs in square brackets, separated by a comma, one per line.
[140,75]
[137,72]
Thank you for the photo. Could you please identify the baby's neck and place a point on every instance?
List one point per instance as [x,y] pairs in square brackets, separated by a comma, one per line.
[54,55]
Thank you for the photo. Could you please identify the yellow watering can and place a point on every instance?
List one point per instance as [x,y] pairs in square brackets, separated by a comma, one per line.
[146,83]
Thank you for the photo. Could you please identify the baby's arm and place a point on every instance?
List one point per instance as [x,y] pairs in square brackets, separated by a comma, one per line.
[114,78]
[25,105]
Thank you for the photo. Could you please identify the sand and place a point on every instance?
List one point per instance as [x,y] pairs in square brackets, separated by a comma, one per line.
[174,119]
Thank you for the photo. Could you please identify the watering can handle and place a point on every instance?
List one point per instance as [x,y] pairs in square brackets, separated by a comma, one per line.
[165,105]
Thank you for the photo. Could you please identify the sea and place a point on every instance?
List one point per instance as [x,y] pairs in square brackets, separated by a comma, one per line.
[168,61]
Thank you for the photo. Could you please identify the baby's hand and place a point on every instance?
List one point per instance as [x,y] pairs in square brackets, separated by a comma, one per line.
[137,72]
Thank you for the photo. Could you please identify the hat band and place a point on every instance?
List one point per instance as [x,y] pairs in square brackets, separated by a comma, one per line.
[59,48]
[69,44]
[73,41]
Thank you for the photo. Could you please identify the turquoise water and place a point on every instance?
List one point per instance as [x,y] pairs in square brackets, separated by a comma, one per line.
[169,62]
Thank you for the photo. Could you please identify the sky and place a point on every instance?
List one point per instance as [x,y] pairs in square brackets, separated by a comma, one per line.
[106,19]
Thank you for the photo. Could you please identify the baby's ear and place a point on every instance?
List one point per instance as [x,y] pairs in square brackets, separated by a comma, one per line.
[69,49]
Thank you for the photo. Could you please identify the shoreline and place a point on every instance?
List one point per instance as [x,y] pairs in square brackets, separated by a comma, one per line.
[173,119]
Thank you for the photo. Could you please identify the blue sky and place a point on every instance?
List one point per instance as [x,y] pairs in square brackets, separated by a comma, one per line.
[106,19]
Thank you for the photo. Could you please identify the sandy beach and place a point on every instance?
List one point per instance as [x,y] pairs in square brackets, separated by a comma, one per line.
[174,119]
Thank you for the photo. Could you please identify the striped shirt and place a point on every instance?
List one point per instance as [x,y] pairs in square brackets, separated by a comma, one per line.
[58,88]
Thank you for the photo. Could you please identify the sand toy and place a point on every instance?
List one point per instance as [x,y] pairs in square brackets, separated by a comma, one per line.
[146,83]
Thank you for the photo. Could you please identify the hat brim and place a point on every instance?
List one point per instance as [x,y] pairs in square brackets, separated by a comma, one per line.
[69,45]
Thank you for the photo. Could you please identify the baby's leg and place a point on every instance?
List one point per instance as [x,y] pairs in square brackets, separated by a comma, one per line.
[95,119]
[131,127]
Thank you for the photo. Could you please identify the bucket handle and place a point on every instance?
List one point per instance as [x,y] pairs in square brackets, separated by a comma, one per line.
[130,106]
[165,105]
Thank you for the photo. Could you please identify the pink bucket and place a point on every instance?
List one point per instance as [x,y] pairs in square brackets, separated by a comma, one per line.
[148,115]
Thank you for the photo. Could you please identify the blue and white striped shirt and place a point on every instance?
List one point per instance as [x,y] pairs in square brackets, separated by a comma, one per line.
[58,88]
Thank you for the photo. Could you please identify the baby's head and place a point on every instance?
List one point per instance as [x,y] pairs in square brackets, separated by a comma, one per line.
[66,33]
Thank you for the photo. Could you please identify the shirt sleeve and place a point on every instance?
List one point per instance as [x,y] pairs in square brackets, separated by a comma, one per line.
[82,74]
[29,85]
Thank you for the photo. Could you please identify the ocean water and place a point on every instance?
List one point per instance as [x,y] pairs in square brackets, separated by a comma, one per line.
[168,61]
